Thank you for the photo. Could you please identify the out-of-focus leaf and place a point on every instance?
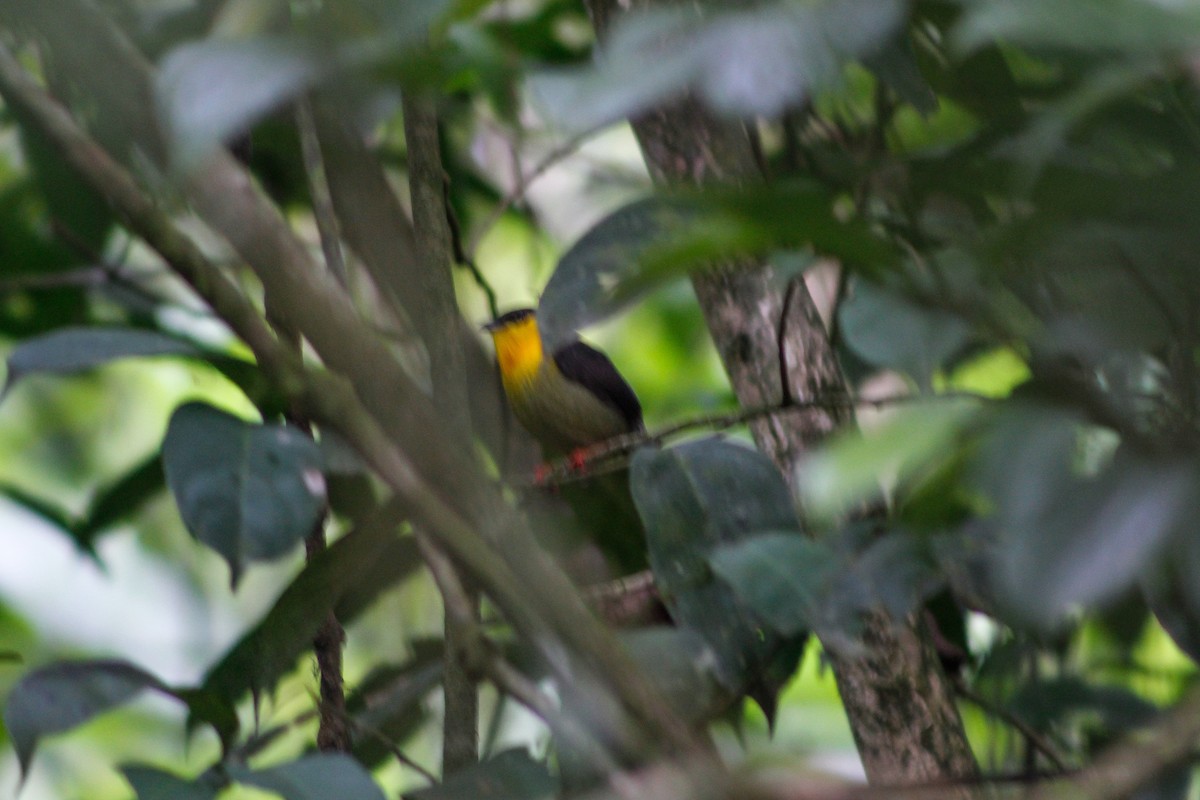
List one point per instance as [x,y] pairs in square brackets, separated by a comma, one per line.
[601,273]
[1128,27]
[1044,704]
[849,470]
[313,777]
[62,696]
[757,61]
[343,578]
[1063,539]
[154,784]
[890,331]
[511,775]
[694,498]
[216,88]
[682,666]
[247,491]
[77,349]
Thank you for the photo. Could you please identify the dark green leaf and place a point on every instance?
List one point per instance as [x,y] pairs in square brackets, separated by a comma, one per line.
[888,330]
[247,491]
[59,697]
[77,349]
[511,775]
[314,777]
[343,579]
[153,784]
[694,498]
[601,273]
[783,577]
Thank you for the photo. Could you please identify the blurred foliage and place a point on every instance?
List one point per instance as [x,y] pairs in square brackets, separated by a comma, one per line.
[1007,185]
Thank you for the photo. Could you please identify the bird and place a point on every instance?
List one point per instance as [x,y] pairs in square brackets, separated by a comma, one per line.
[568,400]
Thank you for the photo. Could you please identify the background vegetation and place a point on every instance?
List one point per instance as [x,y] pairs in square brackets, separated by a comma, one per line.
[943,251]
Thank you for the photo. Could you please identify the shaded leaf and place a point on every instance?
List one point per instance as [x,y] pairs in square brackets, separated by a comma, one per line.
[888,330]
[783,577]
[154,784]
[694,498]
[601,273]
[343,579]
[510,775]
[121,500]
[62,696]
[387,707]
[247,491]
[682,666]
[71,350]
[313,777]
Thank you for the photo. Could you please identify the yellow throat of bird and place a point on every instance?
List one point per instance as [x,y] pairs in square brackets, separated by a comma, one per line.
[519,351]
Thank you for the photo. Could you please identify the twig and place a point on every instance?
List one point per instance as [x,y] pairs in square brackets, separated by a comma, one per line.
[631,600]
[460,254]
[318,187]
[482,656]
[596,458]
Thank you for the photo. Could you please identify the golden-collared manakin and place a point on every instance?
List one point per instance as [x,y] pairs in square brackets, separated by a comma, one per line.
[569,399]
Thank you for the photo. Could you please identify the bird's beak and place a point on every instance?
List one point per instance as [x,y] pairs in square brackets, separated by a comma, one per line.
[488,326]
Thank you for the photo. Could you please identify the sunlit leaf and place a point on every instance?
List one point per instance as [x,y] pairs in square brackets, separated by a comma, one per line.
[247,491]
[511,775]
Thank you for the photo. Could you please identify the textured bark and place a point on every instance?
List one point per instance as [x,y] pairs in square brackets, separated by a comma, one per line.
[899,702]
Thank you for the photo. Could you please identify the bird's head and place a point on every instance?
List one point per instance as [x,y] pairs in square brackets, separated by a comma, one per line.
[518,345]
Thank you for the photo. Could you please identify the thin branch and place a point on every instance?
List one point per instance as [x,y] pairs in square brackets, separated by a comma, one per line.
[482,656]
[318,187]
[606,456]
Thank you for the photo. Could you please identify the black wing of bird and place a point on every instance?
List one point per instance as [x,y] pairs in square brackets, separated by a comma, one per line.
[590,368]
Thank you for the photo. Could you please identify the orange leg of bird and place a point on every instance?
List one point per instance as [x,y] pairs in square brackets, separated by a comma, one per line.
[541,474]
[578,459]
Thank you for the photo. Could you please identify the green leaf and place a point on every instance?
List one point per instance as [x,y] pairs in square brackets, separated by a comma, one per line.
[681,665]
[250,492]
[602,272]
[783,577]
[62,696]
[694,498]
[749,62]
[343,579]
[511,775]
[314,777]
[71,350]
[216,88]
[888,330]
[150,783]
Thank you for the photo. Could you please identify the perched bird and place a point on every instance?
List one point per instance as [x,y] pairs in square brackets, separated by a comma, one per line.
[571,400]
[568,400]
